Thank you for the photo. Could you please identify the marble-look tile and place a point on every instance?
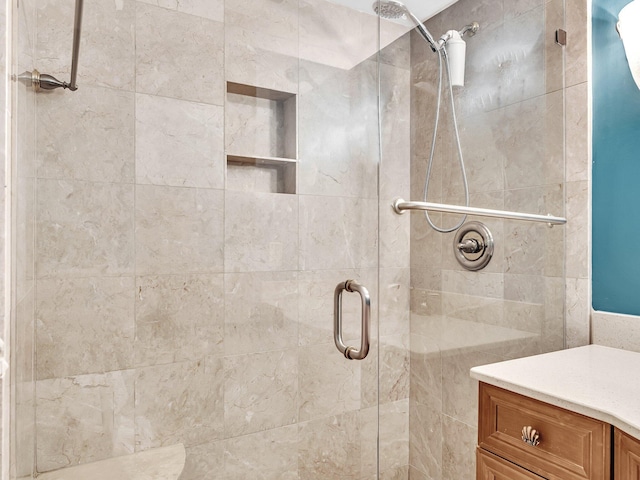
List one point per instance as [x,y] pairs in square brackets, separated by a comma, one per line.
[179,143]
[211,9]
[395,121]
[178,318]
[554,61]
[260,391]
[539,159]
[394,435]
[315,304]
[23,418]
[518,7]
[338,131]
[577,133]
[489,285]
[483,141]
[202,460]
[577,19]
[425,371]
[329,447]
[458,449]
[387,380]
[459,390]
[426,247]
[395,293]
[424,303]
[553,327]
[395,236]
[337,233]
[329,384]
[178,230]
[84,325]
[275,18]
[261,312]
[108,42]
[524,288]
[398,52]
[578,248]
[369,436]
[473,308]
[84,419]
[255,58]
[260,178]
[179,403]
[415,474]
[170,64]
[534,248]
[261,232]
[268,455]
[259,126]
[25,231]
[84,229]
[425,440]
[103,115]
[524,316]
[577,322]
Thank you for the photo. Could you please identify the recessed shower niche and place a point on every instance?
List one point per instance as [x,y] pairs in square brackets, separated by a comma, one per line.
[261,139]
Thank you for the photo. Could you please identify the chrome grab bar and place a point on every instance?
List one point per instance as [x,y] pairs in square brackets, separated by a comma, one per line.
[351,353]
[400,206]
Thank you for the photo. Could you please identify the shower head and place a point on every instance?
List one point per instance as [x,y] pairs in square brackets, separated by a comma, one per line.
[392,9]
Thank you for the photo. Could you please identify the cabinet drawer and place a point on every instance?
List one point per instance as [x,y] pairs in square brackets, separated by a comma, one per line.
[491,467]
[571,447]
[626,457]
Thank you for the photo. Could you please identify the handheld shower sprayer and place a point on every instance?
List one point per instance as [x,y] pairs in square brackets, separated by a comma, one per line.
[451,50]
[392,9]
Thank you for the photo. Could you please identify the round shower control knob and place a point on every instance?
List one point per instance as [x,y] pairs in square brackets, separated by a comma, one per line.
[473,245]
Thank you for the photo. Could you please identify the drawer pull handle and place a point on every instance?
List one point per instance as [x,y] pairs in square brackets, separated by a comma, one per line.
[530,436]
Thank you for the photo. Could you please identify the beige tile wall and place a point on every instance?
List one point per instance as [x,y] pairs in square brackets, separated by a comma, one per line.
[171,308]
[511,115]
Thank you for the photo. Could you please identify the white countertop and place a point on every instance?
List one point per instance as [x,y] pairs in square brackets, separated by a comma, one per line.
[599,382]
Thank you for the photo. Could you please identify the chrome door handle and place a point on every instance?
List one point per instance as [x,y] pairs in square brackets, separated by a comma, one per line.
[351,353]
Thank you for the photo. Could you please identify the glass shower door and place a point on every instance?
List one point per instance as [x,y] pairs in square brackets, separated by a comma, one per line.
[177,261]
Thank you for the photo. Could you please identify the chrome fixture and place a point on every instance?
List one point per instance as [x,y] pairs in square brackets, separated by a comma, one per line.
[351,353]
[627,28]
[392,9]
[454,64]
[400,206]
[473,246]
[42,81]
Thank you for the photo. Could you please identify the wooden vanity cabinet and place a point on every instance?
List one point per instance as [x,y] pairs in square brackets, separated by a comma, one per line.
[626,455]
[571,446]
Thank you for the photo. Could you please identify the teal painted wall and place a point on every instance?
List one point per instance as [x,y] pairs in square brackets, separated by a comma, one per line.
[616,168]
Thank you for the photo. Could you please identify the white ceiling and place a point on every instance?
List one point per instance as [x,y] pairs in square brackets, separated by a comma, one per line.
[423,9]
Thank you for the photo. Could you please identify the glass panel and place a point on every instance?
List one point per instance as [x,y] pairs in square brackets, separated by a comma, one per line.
[182,222]
[511,123]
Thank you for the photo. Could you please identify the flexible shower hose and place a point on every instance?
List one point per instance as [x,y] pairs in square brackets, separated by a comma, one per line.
[442,53]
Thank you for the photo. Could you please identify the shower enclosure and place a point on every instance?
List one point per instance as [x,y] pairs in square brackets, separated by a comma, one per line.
[181,221]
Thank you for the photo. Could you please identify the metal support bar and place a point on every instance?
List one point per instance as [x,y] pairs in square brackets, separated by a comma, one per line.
[351,353]
[42,81]
[400,206]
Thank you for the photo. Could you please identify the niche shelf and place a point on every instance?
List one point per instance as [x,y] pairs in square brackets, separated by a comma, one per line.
[261,131]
